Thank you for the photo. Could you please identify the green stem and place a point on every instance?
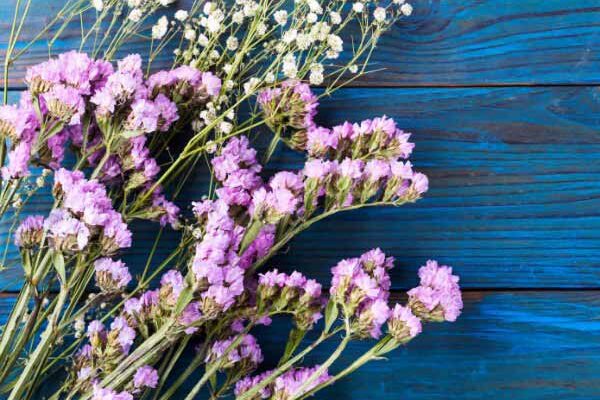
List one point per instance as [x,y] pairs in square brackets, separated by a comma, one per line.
[37,358]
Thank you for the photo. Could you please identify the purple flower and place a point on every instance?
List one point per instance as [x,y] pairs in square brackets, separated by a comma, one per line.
[65,232]
[291,106]
[111,275]
[320,140]
[125,333]
[247,353]
[211,83]
[172,284]
[237,169]
[145,377]
[109,394]
[65,104]
[288,385]
[167,112]
[30,231]
[318,169]
[403,324]
[420,182]
[191,313]
[438,297]
[143,117]
[376,170]
[248,382]
[18,162]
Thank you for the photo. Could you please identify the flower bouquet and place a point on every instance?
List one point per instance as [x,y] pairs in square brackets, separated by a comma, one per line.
[116,142]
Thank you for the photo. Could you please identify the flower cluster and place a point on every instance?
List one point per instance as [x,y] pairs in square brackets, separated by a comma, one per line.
[105,349]
[215,265]
[85,211]
[237,169]
[438,296]
[282,293]
[244,356]
[362,285]
[108,116]
[111,276]
[30,232]
[290,108]
[286,386]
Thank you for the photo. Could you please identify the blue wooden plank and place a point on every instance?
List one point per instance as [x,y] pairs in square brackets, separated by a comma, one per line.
[451,42]
[515,188]
[506,345]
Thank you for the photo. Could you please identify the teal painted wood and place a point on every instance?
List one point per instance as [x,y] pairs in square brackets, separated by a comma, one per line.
[449,42]
[521,346]
[515,188]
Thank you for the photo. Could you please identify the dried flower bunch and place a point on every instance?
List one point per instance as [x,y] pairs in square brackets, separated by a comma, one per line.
[119,143]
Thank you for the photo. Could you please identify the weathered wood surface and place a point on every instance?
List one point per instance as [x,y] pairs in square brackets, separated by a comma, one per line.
[449,42]
[515,189]
[522,345]
[514,199]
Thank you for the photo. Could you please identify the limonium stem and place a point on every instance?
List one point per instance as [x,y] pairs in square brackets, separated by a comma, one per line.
[36,360]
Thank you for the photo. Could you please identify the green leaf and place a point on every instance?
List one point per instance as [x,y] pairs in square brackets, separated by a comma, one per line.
[131,134]
[331,314]
[184,299]
[59,264]
[294,340]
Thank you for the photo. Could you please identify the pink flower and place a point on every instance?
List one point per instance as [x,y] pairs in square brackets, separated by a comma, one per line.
[145,377]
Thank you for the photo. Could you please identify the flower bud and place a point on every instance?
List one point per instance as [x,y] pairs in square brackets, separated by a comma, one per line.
[29,233]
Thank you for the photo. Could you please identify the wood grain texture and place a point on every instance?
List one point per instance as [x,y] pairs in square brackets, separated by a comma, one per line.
[515,188]
[449,42]
[525,345]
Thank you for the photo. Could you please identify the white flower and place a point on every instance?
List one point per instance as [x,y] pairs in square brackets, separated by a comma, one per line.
[227,68]
[317,67]
[213,22]
[98,4]
[189,34]
[353,68]
[315,78]
[225,127]
[237,17]
[251,85]
[250,8]
[289,67]
[232,43]
[181,15]
[134,3]
[135,15]
[281,17]
[358,7]
[211,147]
[289,36]
[335,17]
[315,6]
[379,14]
[214,55]
[319,31]
[230,115]
[335,43]
[165,2]
[331,54]
[203,40]
[208,8]
[229,84]
[406,9]
[399,1]
[261,29]
[303,41]
[160,29]
[312,17]
[270,77]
